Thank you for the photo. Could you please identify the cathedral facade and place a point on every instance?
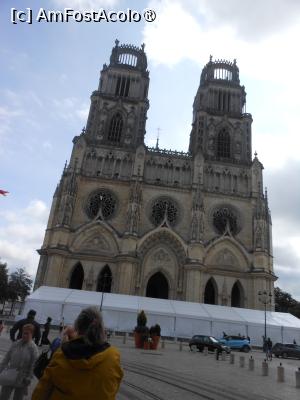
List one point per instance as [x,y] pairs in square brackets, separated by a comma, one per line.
[127,218]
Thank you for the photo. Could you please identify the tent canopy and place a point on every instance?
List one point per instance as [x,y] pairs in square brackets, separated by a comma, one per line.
[177,318]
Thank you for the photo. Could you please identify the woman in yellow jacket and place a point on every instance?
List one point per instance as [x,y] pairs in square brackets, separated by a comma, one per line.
[86,367]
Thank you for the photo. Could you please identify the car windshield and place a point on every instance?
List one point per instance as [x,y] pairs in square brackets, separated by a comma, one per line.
[214,340]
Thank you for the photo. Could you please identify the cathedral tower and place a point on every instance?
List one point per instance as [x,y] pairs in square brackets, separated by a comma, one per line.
[145,221]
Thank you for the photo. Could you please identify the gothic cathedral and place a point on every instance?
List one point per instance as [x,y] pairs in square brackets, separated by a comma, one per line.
[131,219]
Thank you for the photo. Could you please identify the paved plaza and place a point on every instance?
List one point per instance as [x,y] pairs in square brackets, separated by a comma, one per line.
[171,374]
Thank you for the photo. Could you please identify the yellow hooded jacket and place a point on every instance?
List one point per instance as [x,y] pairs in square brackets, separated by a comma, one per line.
[80,371]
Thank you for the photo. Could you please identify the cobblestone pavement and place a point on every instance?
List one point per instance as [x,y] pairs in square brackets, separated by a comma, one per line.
[171,374]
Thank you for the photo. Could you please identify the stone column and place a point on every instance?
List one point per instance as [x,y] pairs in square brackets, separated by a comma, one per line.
[193,278]
[126,272]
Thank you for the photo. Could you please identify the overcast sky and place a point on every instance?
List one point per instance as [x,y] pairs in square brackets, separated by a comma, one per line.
[49,70]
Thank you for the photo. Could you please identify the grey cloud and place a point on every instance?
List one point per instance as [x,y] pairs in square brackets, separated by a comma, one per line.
[284,192]
[287,259]
[252,19]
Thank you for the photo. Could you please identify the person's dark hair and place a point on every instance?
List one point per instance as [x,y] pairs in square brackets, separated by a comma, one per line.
[89,325]
[1,321]
[31,314]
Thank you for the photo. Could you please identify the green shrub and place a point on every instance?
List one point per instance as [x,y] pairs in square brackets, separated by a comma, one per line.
[141,319]
[155,330]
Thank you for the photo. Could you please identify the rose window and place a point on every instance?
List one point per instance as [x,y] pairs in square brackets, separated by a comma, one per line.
[225,217]
[101,203]
[162,208]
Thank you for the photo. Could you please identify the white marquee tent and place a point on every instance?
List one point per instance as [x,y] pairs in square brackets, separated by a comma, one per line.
[176,318]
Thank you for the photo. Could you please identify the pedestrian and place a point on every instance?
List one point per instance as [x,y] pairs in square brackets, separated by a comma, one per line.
[1,326]
[17,365]
[294,341]
[19,325]
[62,324]
[248,338]
[87,357]
[45,334]
[269,346]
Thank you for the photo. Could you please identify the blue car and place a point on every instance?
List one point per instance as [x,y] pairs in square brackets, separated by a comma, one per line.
[236,343]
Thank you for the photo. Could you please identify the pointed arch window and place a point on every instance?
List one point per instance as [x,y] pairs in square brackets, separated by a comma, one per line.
[158,286]
[211,292]
[77,276]
[115,128]
[237,297]
[223,144]
[104,280]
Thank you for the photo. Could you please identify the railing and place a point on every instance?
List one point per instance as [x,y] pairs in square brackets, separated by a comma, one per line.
[169,152]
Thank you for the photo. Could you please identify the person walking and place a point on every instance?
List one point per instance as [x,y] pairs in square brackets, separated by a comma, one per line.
[1,326]
[19,325]
[17,366]
[269,346]
[85,367]
[45,334]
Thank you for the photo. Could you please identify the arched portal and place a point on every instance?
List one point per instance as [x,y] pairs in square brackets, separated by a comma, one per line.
[237,298]
[104,280]
[210,293]
[158,286]
[77,277]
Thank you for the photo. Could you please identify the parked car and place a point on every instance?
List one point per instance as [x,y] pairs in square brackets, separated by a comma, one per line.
[286,350]
[198,342]
[236,343]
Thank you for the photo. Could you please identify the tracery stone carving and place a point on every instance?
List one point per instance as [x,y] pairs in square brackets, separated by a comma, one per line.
[97,243]
[89,283]
[197,224]
[260,235]
[134,206]
[226,219]
[101,204]
[161,258]
[164,208]
[226,258]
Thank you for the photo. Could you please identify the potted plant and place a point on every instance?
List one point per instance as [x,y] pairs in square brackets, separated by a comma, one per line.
[141,332]
[155,336]
[147,342]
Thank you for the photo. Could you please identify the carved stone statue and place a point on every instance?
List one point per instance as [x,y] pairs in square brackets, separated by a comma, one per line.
[259,235]
[133,212]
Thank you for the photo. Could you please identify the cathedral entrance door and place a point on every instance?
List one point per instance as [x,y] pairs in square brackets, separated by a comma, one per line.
[77,277]
[158,287]
[236,296]
[210,294]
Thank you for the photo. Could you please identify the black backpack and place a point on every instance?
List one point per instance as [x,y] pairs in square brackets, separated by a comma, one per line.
[41,364]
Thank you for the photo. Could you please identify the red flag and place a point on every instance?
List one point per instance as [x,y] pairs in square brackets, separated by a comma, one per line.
[3,192]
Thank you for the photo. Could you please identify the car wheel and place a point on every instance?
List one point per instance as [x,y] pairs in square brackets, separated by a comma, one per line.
[193,347]
[284,355]
[246,349]
[276,355]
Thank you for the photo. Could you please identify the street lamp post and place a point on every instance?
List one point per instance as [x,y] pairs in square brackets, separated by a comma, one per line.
[105,276]
[265,298]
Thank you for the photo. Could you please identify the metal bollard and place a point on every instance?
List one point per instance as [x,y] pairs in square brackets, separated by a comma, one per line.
[280,373]
[180,346]
[242,361]
[205,350]
[231,358]
[265,368]
[297,374]
[223,356]
[162,344]
[216,354]
[251,363]
[124,338]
